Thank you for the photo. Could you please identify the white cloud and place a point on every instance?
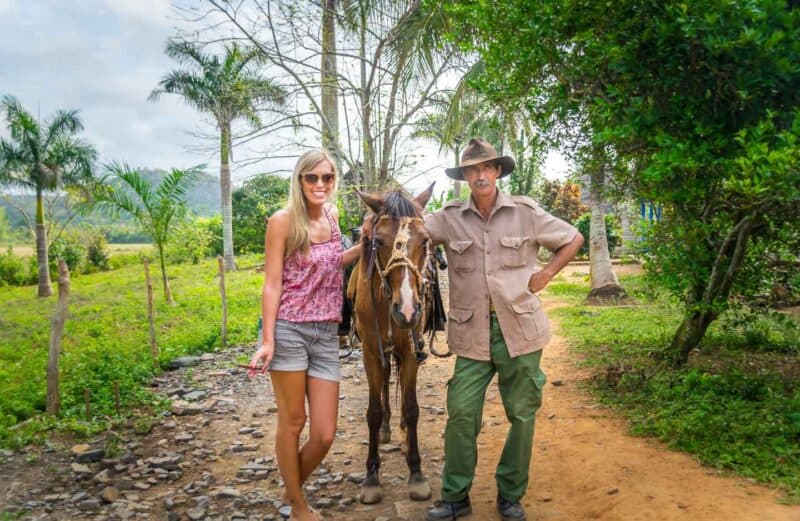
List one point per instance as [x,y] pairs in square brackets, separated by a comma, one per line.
[152,12]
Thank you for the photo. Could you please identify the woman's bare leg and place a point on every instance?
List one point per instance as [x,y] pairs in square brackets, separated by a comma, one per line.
[323,407]
[290,392]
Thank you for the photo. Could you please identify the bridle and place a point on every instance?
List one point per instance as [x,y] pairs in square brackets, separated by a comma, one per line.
[398,259]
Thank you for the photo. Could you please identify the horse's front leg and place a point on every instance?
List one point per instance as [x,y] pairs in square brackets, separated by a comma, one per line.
[386,427]
[418,487]
[371,487]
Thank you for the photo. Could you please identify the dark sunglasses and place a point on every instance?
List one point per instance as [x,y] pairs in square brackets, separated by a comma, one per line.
[312,179]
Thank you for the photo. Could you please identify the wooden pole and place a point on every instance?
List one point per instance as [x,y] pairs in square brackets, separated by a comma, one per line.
[224,326]
[116,396]
[56,332]
[87,398]
[151,314]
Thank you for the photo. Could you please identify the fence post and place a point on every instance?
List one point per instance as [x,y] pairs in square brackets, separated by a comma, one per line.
[87,398]
[116,396]
[150,314]
[56,332]
[224,326]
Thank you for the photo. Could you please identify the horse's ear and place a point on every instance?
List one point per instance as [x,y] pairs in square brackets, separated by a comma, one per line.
[423,198]
[373,201]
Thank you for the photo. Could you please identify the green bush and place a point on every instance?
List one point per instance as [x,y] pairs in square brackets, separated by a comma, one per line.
[190,241]
[13,270]
[69,249]
[121,260]
[258,198]
[212,226]
[97,253]
[613,232]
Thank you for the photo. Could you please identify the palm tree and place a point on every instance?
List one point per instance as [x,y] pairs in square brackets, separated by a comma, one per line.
[605,284]
[228,88]
[124,190]
[43,156]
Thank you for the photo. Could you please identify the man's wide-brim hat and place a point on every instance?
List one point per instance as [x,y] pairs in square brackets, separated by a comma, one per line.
[478,151]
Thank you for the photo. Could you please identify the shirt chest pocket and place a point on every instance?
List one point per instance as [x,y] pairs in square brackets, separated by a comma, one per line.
[461,255]
[515,250]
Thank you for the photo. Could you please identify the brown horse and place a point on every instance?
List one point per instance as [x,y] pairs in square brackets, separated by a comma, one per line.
[389,288]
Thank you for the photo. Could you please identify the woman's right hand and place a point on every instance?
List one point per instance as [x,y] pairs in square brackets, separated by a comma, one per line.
[262,358]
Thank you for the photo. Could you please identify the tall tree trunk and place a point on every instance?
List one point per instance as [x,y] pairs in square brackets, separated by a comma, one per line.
[367,145]
[605,285]
[225,194]
[330,99]
[45,287]
[167,291]
[456,184]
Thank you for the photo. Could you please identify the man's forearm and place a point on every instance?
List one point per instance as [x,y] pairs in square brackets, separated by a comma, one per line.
[564,254]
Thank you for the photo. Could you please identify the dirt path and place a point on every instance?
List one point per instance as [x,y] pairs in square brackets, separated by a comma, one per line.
[586,467]
[195,466]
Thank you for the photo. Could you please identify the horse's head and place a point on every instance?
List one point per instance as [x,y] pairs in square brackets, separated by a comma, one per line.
[400,247]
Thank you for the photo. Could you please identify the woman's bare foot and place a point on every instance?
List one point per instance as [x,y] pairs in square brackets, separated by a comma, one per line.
[285,497]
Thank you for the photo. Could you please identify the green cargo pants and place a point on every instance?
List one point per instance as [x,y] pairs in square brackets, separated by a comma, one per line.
[520,381]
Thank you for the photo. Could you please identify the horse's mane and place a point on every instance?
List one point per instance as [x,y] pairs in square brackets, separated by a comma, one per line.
[397,204]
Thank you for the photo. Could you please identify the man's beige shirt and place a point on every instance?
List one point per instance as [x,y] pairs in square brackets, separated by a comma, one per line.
[494,259]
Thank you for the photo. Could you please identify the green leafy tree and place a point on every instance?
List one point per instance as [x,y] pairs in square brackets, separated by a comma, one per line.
[228,88]
[155,209]
[43,157]
[253,203]
[696,102]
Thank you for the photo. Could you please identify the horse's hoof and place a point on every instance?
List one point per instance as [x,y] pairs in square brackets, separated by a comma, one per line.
[370,494]
[385,436]
[419,490]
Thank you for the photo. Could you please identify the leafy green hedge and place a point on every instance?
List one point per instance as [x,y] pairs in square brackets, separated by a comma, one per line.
[106,335]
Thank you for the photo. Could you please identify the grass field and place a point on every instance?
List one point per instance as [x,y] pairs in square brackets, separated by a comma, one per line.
[29,250]
[106,335]
[736,405]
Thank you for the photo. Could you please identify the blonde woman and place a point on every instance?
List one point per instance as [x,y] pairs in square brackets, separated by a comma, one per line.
[301,305]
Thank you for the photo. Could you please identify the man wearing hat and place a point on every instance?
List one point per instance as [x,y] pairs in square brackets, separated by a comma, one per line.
[496,322]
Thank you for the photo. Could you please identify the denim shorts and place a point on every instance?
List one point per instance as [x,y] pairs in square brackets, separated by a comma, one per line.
[307,346]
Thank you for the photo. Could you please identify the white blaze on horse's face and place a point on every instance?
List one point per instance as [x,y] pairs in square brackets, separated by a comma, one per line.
[407,307]
[401,272]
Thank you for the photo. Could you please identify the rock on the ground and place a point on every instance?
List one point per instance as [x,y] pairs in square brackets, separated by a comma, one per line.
[90,456]
[184,361]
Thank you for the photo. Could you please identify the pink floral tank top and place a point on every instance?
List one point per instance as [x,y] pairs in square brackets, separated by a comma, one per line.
[312,284]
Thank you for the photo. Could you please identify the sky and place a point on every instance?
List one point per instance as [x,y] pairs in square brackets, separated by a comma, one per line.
[103,57]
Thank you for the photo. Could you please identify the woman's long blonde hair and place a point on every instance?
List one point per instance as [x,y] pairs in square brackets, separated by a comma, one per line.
[298,212]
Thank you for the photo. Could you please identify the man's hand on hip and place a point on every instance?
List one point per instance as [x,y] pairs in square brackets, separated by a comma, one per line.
[539,281]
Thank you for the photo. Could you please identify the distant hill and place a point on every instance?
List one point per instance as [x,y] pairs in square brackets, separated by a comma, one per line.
[203,200]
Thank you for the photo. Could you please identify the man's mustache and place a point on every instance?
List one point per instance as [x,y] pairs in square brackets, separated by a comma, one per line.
[482,182]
